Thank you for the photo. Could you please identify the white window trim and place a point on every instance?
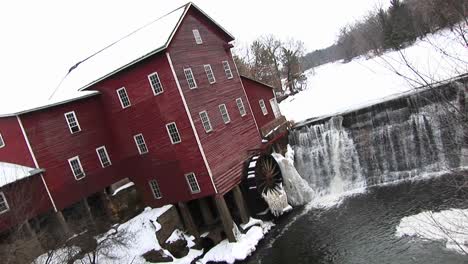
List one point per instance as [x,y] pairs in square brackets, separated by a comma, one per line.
[120,98]
[192,77]
[138,146]
[197,36]
[208,120]
[196,181]
[151,83]
[263,107]
[107,156]
[153,191]
[169,133]
[6,203]
[77,158]
[221,107]
[3,144]
[208,71]
[76,120]
[227,69]
[243,106]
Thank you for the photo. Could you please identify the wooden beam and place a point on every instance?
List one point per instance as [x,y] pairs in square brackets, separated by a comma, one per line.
[226,218]
[241,206]
[206,212]
[188,219]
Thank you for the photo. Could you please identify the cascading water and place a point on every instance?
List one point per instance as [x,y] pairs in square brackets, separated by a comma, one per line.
[398,139]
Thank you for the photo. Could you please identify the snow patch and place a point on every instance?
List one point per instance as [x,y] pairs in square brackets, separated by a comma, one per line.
[252,222]
[123,187]
[246,245]
[450,226]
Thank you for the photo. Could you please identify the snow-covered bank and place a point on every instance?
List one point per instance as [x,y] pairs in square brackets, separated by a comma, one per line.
[246,245]
[339,87]
[137,236]
[450,226]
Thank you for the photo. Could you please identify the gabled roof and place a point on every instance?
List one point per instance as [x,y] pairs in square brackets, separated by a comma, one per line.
[10,173]
[148,40]
[259,82]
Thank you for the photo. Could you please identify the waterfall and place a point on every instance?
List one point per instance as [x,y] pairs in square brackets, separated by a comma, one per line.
[394,140]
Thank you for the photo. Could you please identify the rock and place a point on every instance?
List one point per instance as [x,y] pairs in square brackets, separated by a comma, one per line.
[154,256]
[177,248]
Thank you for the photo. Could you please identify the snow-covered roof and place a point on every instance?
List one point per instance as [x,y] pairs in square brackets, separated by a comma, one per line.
[26,107]
[136,46]
[10,173]
[337,87]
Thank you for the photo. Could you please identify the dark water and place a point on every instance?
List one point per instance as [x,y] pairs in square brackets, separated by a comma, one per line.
[362,228]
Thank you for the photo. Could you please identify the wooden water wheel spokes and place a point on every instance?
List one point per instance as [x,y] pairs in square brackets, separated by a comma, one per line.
[268,174]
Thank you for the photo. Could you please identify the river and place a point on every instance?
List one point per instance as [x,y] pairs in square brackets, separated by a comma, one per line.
[361,229]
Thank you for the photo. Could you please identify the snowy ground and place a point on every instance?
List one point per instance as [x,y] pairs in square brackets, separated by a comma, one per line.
[339,87]
[450,226]
[139,236]
[246,245]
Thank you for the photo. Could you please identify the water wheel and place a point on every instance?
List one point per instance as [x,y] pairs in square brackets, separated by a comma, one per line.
[262,174]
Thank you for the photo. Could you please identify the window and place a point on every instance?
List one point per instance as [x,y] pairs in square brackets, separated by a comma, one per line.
[155,83]
[123,97]
[155,189]
[140,143]
[192,182]
[209,73]
[103,156]
[190,79]
[173,133]
[72,122]
[197,36]
[241,107]
[227,69]
[275,107]
[224,113]
[205,121]
[3,204]
[76,168]
[263,107]
[2,143]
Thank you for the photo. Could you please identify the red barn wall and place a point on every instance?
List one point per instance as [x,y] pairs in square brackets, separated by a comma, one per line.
[15,150]
[257,91]
[226,146]
[53,145]
[26,198]
[149,114]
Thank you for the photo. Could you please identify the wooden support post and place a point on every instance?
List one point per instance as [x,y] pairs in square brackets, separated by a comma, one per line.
[63,223]
[32,234]
[188,220]
[226,218]
[111,210]
[206,212]
[241,206]
[88,211]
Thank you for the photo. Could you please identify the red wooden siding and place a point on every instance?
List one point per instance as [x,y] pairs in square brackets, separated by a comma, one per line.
[149,115]
[226,146]
[256,91]
[15,150]
[26,198]
[53,145]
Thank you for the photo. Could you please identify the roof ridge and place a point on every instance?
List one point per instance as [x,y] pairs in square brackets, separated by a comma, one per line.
[115,42]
